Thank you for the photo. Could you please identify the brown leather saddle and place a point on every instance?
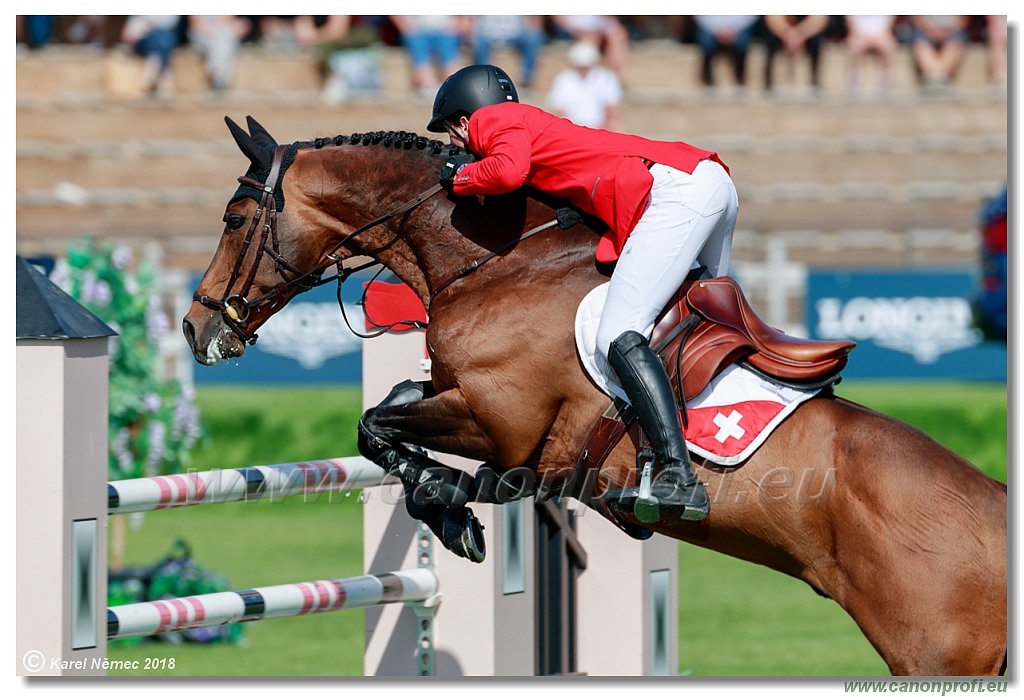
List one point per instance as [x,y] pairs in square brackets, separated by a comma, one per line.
[707,326]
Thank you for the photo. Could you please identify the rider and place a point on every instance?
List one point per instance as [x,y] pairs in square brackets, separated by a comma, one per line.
[668,206]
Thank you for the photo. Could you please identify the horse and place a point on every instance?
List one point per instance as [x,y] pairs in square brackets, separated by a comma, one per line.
[906,536]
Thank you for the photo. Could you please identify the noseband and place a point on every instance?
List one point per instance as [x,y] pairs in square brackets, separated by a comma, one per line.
[237,308]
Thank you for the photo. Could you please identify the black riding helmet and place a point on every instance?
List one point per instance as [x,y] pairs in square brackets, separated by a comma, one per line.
[469,89]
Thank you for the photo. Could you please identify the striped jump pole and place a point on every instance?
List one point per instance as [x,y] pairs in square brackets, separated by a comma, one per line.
[288,600]
[245,484]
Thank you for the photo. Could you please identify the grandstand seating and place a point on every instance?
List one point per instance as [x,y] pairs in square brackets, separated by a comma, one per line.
[841,179]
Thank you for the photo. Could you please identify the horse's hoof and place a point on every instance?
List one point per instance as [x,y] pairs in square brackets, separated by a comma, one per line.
[462,534]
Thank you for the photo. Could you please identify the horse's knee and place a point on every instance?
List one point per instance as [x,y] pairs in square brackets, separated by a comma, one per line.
[405,392]
[371,439]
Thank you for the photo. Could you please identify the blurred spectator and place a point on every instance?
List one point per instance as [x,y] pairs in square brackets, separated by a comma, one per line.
[35,31]
[318,30]
[644,27]
[995,39]
[794,36]
[350,61]
[434,43]
[154,38]
[874,35]
[729,33]
[524,33]
[586,92]
[89,29]
[990,302]
[939,44]
[604,31]
[217,38]
[279,32]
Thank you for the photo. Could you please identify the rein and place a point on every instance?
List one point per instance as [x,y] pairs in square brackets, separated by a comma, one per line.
[236,308]
[476,264]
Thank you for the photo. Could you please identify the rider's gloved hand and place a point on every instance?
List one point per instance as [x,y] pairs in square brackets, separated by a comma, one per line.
[452,167]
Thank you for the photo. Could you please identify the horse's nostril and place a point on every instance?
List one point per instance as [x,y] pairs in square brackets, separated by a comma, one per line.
[190,332]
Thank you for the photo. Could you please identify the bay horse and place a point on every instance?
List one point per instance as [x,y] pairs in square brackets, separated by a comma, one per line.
[908,537]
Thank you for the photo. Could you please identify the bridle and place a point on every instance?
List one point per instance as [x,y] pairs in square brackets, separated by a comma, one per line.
[236,308]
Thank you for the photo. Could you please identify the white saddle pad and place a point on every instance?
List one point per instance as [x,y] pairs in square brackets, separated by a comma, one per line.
[728,421]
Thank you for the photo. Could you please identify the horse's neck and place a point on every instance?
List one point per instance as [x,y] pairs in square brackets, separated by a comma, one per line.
[388,180]
[442,238]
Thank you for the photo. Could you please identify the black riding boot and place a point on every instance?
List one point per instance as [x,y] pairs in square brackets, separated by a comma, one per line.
[676,488]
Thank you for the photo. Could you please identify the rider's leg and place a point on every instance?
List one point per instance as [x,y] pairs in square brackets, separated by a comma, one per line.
[690,219]
[676,489]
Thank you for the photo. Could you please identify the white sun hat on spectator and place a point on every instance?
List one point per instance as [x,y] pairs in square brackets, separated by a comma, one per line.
[584,54]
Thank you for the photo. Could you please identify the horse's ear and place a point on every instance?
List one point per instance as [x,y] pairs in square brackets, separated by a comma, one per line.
[256,154]
[260,135]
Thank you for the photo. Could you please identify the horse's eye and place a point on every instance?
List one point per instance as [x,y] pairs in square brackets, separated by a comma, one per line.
[234,221]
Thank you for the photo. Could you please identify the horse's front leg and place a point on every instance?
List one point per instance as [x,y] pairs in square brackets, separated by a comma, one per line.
[414,413]
[413,416]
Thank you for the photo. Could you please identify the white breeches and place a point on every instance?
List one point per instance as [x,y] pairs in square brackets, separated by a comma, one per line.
[689,221]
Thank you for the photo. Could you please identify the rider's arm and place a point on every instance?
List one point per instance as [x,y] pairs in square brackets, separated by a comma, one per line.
[505,149]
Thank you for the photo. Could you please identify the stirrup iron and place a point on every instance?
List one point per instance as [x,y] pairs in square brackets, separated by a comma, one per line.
[645,508]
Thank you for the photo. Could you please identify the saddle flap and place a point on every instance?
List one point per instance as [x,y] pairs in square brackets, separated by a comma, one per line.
[709,350]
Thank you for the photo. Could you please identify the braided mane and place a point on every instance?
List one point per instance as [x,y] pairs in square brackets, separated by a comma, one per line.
[403,140]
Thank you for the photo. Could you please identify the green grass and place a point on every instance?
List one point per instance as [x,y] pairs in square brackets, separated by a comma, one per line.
[250,426]
[267,543]
[736,619]
[257,544]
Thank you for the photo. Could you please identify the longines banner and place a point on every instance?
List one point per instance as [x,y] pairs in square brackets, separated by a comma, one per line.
[307,342]
[907,323]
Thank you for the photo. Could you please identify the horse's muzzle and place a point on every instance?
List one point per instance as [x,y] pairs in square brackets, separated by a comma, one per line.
[213,343]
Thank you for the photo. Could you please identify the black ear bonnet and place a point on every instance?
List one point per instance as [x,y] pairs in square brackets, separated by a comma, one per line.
[258,146]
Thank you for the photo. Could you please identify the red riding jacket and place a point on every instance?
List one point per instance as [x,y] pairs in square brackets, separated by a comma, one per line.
[601,172]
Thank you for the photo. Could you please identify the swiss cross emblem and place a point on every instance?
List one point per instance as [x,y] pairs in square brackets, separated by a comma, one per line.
[728,426]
